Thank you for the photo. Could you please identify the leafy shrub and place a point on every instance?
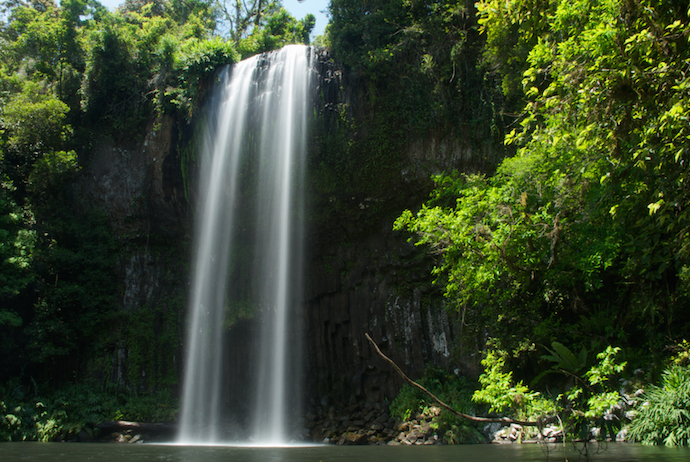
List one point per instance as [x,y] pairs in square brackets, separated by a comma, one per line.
[34,120]
[197,61]
[16,247]
[587,399]
[664,418]
[563,226]
[112,88]
[280,29]
[56,415]
[498,389]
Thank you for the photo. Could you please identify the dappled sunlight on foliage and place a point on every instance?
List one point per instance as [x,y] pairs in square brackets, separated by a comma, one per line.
[664,417]
[591,213]
[584,400]
[589,220]
[454,390]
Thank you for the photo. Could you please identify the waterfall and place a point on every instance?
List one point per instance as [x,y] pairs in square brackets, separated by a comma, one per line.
[248,251]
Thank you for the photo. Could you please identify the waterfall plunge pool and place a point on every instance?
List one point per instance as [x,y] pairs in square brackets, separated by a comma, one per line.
[103,452]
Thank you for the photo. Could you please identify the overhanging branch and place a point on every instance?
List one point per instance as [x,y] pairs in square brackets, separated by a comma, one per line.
[504,420]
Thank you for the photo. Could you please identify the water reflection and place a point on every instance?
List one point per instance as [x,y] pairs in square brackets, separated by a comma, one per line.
[79,452]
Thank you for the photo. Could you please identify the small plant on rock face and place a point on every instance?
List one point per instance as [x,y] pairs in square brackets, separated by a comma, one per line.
[407,402]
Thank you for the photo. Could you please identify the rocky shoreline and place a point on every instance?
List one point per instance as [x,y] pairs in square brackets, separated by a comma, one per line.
[362,424]
[357,424]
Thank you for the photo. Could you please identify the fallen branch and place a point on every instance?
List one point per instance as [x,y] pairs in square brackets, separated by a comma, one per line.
[504,420]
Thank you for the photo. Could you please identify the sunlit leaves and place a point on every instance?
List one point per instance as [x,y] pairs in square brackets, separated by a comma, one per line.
[607,367]
[37,35]
[664,418]
[605,71]
[195,61]
[279,29]
[498,388]
[593,208]
[33,121]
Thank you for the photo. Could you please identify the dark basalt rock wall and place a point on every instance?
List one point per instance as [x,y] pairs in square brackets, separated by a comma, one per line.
[139,188]
[373,284]
[361,276]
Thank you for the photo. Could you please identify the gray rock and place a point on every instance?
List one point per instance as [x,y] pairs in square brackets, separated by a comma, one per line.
[382,418]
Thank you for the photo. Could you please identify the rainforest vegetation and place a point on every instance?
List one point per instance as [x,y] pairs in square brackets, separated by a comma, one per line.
[571,255]
[579,241]
[580,237]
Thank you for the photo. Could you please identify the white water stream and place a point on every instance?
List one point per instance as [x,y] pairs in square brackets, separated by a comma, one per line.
[249,222]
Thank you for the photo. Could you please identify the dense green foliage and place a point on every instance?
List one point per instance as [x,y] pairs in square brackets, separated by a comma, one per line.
[665,415]
[67,73]
[582,236]
[421,60]
[584,399]
[413,73]
[63,413]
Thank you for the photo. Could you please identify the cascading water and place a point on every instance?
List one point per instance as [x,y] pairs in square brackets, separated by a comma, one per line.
[248,251]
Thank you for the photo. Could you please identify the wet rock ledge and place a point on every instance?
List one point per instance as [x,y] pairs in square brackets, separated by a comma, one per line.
[367,424]
[357,424]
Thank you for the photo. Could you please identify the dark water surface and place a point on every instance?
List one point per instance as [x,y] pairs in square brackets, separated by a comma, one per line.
[80,452]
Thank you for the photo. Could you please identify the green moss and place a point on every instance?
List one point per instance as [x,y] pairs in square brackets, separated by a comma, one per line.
[237,310]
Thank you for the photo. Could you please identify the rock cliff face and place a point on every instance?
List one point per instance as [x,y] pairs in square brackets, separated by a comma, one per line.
[361,276]
[139,188]
[378,284]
